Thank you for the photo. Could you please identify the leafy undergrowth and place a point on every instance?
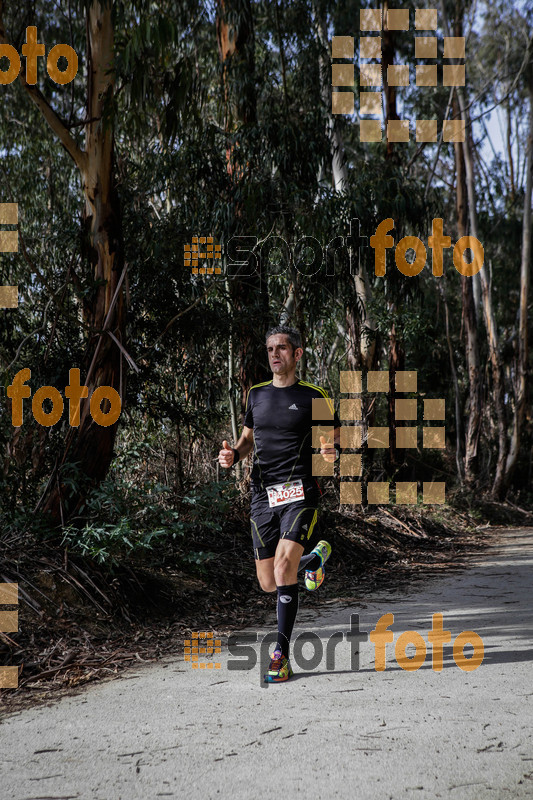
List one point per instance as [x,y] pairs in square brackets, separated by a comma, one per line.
[82,618]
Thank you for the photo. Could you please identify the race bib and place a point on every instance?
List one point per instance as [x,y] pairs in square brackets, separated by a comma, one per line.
[281,493]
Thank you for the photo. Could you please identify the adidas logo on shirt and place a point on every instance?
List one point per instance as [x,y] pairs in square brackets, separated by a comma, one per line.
[294,407]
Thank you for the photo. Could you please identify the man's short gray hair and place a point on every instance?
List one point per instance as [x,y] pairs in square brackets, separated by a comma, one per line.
[291,333]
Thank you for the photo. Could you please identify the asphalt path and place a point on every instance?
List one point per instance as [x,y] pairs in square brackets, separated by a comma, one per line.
[339,729]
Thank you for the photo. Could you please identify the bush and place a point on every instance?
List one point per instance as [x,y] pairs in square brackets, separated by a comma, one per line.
[120,520]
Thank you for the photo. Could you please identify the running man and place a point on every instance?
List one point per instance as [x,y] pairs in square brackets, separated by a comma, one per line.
[284,508]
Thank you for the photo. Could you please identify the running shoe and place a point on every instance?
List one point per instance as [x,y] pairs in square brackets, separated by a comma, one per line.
[315,579]
[280,668]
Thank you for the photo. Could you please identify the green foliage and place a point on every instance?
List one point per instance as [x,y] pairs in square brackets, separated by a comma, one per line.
[120,520]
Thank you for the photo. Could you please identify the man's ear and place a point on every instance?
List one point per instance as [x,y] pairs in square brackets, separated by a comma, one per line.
[298,353]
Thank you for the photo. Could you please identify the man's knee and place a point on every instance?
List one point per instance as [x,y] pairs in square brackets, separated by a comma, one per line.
[282,569]
[267,584]
[265,575]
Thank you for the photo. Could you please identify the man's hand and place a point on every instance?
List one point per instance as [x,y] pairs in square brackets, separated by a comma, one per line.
[226,455]
[327,450]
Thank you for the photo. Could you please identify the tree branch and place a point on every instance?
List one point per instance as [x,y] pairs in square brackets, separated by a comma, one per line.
[53,119]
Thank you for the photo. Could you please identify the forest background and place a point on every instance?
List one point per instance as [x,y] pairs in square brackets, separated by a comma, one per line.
[215,119]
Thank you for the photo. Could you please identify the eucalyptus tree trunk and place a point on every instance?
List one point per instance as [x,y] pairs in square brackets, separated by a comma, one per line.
[387,59]
[520,388]
[396,351]
[249,297]
[488,314]
[231,388]
[486,293]
[338,157]
[475,384]
[359,326]
[457,404]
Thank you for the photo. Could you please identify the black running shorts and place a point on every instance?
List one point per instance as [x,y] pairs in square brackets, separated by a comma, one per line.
[294,521]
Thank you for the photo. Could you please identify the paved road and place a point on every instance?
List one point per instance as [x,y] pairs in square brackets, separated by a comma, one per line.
[166,730]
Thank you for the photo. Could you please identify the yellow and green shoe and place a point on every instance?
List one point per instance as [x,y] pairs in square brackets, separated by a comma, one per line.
[280,668]
[315,579]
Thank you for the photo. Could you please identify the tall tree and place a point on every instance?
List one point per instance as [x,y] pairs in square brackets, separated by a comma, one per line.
[522,366]
[235,37]
[468,148]
[475,383]
[360,325]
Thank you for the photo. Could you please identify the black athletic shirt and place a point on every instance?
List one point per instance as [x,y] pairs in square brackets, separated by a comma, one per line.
[281,418]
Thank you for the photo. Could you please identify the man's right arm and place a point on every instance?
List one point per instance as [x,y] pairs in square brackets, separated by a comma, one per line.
[244,446]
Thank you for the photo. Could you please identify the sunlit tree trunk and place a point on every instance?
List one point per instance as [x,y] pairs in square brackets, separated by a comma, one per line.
[523,332]
[359,322]
[473,425]
[486,294]
[339,170]
[396,352]
[488,315]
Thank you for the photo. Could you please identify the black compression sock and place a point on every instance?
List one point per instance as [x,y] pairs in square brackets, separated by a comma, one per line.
[287,610]
[310,561]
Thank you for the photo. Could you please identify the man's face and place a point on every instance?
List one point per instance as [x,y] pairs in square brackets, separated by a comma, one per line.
[281,357]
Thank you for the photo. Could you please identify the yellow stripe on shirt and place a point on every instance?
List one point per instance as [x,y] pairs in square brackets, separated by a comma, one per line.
[322,392]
